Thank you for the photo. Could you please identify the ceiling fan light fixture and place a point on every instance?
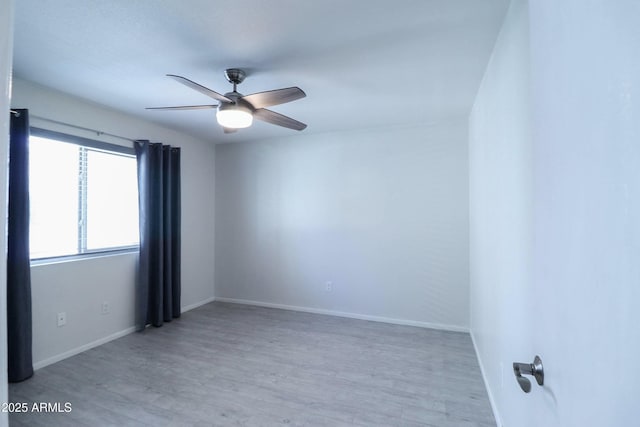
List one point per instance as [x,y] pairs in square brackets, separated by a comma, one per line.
[234,116]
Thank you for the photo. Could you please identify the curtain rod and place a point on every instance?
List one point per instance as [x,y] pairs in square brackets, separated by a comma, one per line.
[97,132]
[17,113]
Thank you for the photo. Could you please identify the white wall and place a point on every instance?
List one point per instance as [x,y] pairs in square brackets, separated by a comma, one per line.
[501,234]
[586,97]
[6,49]
[79,287]
[381,213]
[582,230]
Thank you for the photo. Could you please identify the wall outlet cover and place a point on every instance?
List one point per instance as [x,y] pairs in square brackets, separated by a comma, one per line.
[62,319]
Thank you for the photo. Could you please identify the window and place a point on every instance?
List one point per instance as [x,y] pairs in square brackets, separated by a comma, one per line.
[83,195]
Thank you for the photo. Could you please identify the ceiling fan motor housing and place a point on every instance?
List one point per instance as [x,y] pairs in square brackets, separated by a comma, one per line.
[238,104]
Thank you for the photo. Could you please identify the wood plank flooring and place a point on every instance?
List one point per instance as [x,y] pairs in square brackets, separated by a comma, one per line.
[235,365]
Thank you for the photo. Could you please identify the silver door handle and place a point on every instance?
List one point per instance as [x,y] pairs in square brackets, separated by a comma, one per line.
[535,369]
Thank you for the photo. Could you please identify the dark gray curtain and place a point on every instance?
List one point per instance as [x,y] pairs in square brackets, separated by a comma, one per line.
[158,287]
[20,365]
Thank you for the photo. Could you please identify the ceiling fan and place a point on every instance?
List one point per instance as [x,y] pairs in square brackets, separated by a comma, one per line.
[237,111]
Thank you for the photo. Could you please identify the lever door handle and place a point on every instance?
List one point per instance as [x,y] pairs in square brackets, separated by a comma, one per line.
[535,369]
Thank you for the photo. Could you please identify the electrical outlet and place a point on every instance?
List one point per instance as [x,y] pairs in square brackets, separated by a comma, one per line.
[62,319]
[105,307]
[328,286]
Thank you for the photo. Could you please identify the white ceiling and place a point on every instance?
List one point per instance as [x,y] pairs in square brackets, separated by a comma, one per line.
[362,63]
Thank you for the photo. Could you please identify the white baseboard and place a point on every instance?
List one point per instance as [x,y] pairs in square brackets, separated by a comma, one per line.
[58,357]
[197,304]
[349,315]
[492,401]
[46,362]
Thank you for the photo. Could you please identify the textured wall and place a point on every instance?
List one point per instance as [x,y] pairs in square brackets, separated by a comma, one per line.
[500,203]
[382,214]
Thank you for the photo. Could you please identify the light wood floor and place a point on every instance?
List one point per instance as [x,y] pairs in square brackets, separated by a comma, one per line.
[228,364]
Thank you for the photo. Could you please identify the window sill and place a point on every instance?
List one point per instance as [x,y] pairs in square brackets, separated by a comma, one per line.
[84,256]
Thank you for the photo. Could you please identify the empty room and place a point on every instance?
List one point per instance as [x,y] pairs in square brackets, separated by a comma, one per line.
[320,213]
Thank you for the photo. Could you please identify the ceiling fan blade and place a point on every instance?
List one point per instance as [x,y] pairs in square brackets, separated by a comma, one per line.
[184,107]
[195,86]
[274,97]
[229,130]
[277,119]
